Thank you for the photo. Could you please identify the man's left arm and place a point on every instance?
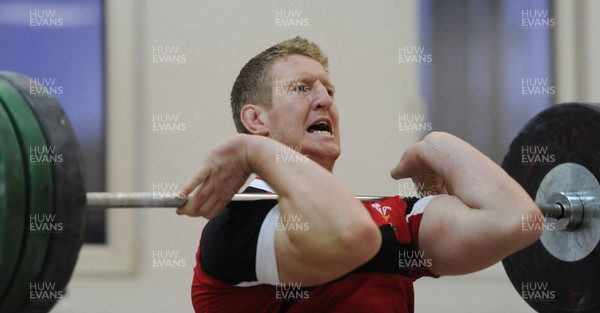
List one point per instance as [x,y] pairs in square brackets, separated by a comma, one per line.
[480,220]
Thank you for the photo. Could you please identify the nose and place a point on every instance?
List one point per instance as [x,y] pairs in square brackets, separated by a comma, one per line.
[320,97]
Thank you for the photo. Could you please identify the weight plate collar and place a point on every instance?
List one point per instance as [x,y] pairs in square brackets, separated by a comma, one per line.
[572,245]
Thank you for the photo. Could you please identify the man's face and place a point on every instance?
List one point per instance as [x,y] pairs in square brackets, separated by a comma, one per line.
[303,114]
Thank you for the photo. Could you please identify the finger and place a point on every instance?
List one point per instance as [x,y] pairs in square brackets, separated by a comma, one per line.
[202,202]
[213,198]
[188,208]
[203,197]
[197,180]
[193,205]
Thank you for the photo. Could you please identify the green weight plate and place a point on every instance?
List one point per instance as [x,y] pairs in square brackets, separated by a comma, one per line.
[12,199]
[40,215]
[69,192]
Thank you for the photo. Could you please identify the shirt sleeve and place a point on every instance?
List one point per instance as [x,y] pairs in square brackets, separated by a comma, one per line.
[266,261]
[230,241]
[415,210]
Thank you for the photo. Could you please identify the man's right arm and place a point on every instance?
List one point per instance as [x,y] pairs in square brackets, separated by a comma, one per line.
[340,234]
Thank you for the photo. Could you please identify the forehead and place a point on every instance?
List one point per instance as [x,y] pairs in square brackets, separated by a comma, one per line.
[300,66]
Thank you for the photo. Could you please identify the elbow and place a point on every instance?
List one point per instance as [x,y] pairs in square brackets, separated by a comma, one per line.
[350,250]
[360,243]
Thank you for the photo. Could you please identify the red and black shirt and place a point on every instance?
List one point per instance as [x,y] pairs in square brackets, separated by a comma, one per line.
[226,280]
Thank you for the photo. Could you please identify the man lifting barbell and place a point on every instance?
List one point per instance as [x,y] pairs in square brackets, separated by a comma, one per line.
[318,249]
[343,258]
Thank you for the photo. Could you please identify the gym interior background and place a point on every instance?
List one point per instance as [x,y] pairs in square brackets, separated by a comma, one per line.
[155,99]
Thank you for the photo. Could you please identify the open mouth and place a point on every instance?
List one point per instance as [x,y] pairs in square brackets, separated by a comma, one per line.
[320,127]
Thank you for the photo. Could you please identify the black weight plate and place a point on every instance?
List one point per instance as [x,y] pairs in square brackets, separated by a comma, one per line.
[571,134]
[69,192]
[12,200]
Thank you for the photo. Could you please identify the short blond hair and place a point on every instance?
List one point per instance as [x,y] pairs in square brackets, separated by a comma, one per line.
[253,84]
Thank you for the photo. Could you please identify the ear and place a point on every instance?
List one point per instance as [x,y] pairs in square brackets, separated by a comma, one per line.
[255,119]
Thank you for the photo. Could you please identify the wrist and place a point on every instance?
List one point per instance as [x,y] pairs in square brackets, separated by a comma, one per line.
[252,149]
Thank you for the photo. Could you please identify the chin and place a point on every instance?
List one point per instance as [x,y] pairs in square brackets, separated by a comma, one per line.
[332,153]
[321,150]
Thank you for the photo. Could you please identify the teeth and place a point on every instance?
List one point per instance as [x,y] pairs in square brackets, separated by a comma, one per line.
[314,129]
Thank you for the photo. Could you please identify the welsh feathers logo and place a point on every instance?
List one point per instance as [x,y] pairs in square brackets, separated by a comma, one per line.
[382,209]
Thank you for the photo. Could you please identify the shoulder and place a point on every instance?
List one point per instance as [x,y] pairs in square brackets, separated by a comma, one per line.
[229,241]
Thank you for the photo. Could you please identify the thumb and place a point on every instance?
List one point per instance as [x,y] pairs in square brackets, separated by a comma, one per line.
[407,163]
[399,171]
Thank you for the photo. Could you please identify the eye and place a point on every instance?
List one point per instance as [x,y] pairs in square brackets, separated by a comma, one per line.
[331,92]
[301,89]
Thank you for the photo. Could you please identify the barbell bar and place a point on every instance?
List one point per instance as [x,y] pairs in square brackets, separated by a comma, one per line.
[554,210]
[152,200]
[564,260]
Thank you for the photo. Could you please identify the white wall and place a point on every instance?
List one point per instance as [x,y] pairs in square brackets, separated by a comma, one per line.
[577,48]
[217,38]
